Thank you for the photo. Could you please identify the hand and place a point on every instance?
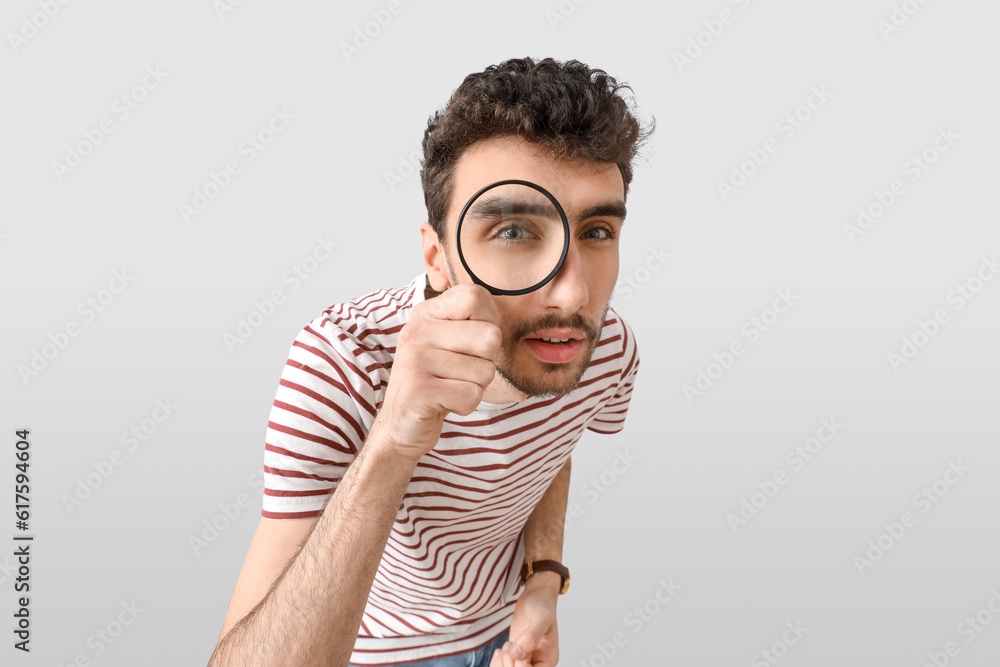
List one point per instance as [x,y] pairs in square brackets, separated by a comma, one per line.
[533,631]
[445,358]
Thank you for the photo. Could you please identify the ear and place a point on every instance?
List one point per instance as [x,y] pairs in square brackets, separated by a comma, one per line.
[434,259]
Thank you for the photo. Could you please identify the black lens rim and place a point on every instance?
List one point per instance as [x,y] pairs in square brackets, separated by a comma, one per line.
[562,257]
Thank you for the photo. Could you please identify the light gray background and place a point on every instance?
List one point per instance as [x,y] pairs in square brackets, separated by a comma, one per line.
[664,517]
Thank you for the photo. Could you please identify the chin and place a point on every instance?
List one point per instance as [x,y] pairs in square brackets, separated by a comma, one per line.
[543,380]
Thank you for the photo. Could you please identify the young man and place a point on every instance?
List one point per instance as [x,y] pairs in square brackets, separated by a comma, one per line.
[442,417]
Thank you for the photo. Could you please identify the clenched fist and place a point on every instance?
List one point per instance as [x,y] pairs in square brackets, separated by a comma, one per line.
[445,359]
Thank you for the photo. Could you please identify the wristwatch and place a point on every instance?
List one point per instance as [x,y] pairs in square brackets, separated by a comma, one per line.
[530,567]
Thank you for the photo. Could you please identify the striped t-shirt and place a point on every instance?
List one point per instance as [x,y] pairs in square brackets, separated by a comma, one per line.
[449,575]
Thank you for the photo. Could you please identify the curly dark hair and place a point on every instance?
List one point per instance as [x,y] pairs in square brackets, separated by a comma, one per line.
[568,109]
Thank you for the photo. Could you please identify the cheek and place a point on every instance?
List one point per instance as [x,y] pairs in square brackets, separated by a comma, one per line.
[508,318]
[514,311]
[605,275]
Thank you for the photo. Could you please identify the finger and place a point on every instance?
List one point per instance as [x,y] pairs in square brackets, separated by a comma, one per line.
[445,366]
[501,658]
[472,337]
[464,302]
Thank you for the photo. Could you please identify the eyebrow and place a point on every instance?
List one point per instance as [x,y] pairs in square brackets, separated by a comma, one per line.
[495,205]
[614,209]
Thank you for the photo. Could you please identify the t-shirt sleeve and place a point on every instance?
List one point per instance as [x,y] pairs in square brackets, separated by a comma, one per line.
[322,410]
[611,417]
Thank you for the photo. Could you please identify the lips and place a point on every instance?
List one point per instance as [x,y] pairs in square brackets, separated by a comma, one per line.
[554,353]
[562,334]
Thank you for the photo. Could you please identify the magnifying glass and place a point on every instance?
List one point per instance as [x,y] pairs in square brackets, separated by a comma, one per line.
[512,237]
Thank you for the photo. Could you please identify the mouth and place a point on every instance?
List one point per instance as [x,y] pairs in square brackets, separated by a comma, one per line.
[556,346]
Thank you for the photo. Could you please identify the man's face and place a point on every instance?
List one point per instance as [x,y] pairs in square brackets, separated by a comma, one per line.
[574,303]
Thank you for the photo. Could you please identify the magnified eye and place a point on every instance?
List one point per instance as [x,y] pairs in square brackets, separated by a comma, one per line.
[512,232]
[512,237]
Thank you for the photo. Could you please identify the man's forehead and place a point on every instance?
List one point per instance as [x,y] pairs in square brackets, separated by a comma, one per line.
[584,188]
[506,151]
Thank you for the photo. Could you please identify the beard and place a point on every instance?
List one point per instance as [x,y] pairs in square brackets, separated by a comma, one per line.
[544,379]
[533,377]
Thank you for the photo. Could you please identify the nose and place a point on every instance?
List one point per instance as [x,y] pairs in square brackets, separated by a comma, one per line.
[567,292]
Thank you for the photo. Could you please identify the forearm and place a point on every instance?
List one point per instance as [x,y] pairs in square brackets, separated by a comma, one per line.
[312,613]
[543,532]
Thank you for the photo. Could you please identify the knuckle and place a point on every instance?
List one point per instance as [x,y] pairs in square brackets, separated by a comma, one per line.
[414,331]
[475,398]
[493,337]
[484,371]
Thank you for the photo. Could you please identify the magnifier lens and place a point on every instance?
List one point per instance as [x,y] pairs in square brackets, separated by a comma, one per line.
[512,237]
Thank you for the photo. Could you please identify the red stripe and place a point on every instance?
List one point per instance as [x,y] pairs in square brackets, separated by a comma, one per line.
[281,493]
[347,386]
[516,431]
[488,631]
[344,414]
[281,428]
[346,444]
[298,474]
[268,447]
[603,432]
[289,515]
[441,593]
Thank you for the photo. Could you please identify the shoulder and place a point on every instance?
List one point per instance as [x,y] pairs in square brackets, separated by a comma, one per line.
[368,324]
[618,341]
[353,343]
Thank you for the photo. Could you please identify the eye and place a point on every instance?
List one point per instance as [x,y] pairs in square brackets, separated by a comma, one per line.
[512,233]
[600,233]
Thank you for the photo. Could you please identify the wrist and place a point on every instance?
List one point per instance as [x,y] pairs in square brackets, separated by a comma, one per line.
[544,581]
[382,441]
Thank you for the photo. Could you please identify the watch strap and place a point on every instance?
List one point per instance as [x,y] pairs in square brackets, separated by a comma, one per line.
[530,567]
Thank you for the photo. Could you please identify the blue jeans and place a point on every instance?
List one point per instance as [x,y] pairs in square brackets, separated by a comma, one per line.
[479,658]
